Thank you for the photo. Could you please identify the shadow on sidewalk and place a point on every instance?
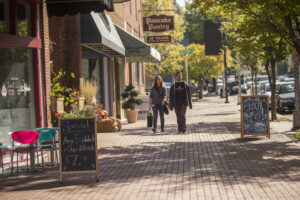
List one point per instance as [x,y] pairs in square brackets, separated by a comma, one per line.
[226,160]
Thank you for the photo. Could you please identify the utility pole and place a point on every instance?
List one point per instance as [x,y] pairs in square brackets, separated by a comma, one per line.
[186,68]
[225,67]
[186,52]
[239,76]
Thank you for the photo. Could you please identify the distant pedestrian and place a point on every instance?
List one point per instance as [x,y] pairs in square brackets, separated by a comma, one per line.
[156,102]
[180,98]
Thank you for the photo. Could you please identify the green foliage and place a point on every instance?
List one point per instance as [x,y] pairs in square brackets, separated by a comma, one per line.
[278,18]
[194,17]
[60,91]
[130,96]
[202,66]
[134,93]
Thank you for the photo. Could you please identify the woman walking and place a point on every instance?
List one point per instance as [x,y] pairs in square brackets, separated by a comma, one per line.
[156,102]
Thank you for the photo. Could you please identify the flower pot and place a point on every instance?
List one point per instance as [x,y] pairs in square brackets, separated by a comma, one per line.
[57,105]
[131,115]
[80,101]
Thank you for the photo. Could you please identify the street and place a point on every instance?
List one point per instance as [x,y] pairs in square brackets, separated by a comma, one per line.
[210,161]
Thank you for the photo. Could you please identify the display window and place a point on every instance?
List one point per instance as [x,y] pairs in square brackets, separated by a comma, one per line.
[17,109]
[4,19]
[23,19]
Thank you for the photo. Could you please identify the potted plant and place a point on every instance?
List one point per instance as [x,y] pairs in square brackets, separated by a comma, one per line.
[131,100]
[89,89]
[61,97]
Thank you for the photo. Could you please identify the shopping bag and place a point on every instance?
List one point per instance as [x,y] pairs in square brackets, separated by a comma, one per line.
[166,110]
[149,119]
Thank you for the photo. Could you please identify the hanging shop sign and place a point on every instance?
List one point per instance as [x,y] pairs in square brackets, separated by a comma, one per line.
[159,39]
[158,23]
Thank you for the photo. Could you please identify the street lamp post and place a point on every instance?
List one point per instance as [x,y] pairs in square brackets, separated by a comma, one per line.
[186,52]
[225,67]
[187,67]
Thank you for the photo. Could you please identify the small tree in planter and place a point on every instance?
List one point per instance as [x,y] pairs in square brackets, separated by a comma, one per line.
[130,95]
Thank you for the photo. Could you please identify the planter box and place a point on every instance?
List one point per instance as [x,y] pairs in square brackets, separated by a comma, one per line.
[57,105]
[80,103]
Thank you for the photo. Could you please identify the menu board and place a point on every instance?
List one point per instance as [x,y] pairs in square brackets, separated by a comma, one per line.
[78,145]
[255,115]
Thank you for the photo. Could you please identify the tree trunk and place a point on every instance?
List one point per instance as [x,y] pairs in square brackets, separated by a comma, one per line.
[271,82]
[252,82]
[273,88]
[255,84]
[296,78]
[296,58]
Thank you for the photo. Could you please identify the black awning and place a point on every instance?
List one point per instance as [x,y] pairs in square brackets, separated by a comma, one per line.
[73,7]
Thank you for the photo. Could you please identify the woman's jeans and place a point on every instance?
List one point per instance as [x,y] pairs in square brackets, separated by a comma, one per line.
[155,109]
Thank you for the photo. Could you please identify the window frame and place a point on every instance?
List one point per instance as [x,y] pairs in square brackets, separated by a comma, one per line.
[136,72]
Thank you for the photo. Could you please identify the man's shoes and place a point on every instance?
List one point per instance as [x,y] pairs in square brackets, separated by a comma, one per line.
[162,130]
[154,130]
[183,130]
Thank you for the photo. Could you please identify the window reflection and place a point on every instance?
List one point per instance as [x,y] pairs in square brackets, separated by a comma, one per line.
[23,19]
[3,16]
[16,91]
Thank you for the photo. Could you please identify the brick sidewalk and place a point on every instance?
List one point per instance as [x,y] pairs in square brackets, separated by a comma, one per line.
[208,162]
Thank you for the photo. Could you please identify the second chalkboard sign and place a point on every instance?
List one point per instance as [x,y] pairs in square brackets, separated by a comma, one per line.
[255,115]
[78,145]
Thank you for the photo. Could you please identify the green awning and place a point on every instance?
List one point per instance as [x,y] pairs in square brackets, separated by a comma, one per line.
[137,50]
[99,34]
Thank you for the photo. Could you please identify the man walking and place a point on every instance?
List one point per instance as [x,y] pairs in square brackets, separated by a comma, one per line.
[180,98]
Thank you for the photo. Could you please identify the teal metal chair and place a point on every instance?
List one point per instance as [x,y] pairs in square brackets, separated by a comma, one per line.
[3,149]
[46,142]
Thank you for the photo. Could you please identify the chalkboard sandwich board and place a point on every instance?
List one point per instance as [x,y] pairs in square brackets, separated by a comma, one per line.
[255,115]
[78,146]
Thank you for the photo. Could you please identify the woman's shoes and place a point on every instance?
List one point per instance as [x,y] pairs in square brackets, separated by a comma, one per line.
[154,130]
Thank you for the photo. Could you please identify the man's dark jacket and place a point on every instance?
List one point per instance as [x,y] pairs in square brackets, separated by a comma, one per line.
[188,100]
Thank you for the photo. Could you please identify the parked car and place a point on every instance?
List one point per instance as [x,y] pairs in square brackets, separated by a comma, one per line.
[233,88]
[248,82]
[289,80]
[285,97]
[219,84]
[282,78]
[267,91]
[261,85]
[262,78]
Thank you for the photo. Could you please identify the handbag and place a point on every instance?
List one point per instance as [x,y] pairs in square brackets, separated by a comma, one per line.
[166,109]
[165,106]
[149,119]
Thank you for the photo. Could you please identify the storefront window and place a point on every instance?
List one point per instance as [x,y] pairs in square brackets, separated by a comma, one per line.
[16,92]
[23,19]
[136,72]
[4,17]
[91,72]
[141,73]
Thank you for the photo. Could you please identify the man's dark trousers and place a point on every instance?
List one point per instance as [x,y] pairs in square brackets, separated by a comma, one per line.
[180,111]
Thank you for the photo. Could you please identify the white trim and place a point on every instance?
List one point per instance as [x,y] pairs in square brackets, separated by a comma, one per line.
[106,84]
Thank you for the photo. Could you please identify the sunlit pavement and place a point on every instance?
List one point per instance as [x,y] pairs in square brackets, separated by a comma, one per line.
[210,161]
